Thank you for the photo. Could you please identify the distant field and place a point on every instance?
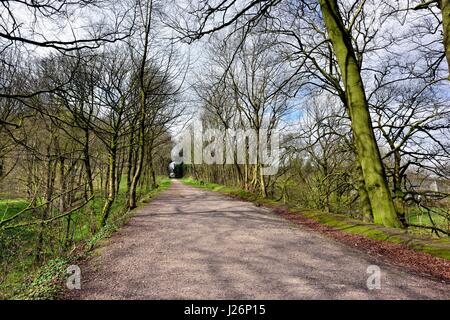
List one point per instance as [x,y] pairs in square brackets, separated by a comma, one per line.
[440,218]
[10,207]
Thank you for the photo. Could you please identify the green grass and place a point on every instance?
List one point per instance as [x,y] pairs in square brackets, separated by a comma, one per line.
[9,207]
[422,243]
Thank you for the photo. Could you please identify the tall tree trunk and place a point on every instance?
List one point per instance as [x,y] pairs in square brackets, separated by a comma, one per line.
[121,163]
[87,164]
[130,160]
[374,176]
[153,183]
[46,210]
[326,183]
[90,179]
[63,197]
[262,182]
[132,197]
[151,165]
[364,199]
[111,183]
[106,180]
[142,101]
[246,175]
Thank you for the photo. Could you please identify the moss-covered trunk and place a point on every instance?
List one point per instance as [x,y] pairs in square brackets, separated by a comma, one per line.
[374,177]
[364,199]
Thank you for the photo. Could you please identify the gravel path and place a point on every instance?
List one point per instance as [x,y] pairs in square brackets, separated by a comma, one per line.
[195,244]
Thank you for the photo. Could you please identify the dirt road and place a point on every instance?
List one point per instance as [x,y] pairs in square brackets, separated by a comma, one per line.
[195,244]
